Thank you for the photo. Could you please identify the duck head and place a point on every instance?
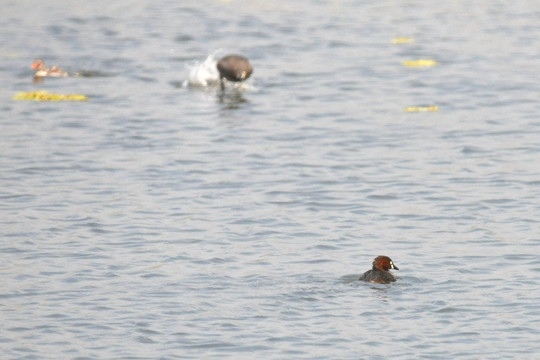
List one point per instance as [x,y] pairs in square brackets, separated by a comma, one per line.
[234,68]
[38,65]
[383,263]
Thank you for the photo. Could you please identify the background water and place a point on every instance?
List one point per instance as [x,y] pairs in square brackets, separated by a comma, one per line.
[157,221]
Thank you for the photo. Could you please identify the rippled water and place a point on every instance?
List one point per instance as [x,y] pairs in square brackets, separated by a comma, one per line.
[159,221]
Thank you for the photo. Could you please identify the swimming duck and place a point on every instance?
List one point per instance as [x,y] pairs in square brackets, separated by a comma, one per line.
[234,68]
[42,71]
[379,273]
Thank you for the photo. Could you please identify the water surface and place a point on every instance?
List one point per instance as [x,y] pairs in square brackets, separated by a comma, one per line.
[158,221]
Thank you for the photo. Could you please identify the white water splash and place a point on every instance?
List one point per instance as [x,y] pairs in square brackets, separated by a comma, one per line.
[204,74]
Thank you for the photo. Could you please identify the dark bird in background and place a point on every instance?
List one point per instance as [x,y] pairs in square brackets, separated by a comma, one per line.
[234,68]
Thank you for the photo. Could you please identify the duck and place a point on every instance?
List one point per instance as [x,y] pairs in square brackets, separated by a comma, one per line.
[234,68]
[380,272]
[42,71]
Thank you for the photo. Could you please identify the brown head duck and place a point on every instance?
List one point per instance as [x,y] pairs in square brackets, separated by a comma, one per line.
[380,272]
[42,71]
[234,68]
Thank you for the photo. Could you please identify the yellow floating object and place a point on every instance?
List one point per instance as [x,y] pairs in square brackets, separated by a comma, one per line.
[402,40]
[420,62]
[421,108]
[45,96]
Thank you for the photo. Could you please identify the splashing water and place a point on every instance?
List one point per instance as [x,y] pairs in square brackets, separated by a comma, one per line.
[204,74]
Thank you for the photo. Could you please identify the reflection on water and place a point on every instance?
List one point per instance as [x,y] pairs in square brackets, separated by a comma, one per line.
[231,99]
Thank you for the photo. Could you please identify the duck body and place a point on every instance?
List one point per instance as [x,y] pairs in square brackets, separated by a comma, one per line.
[234,68]
[380,272]
[42,71]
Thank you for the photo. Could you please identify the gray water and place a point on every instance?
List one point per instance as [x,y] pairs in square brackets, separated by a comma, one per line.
[157,221]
